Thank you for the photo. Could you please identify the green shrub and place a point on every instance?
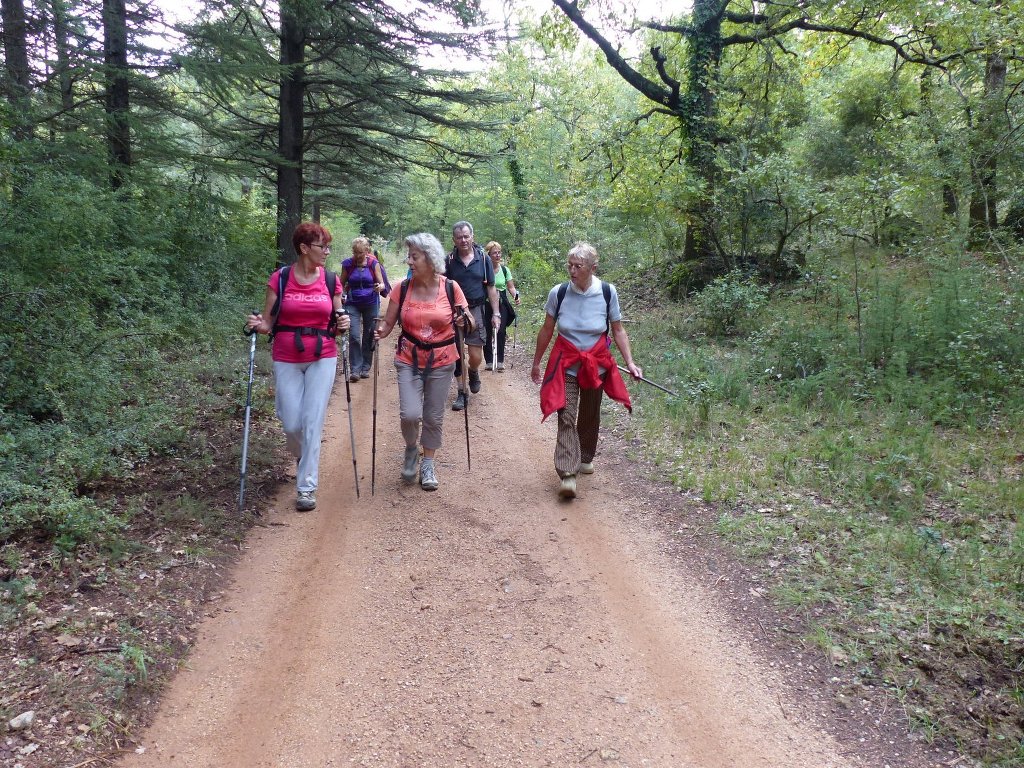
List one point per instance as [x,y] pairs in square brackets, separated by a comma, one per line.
[730,304]
[115,309]
[534,275]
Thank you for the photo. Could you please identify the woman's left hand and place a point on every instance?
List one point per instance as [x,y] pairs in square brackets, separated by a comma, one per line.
[344,321]
[634,371]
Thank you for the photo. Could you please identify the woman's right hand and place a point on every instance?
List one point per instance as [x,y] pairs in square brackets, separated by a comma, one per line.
[255,323]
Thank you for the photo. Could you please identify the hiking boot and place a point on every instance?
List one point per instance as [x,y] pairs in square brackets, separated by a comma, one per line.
[412,458]
[364,374]
[587,468]
[353,378]
[305,501]
[460,401]
[428,478]
[501,367]
[567,488]
[489,367]
[474,381]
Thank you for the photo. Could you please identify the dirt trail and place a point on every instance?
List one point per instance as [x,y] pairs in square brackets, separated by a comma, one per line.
[486,624]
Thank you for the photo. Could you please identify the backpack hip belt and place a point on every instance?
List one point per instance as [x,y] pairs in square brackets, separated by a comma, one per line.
[299,332]
[418,345]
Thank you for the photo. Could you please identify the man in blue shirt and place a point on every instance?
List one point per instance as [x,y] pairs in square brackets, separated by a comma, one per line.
[470,267]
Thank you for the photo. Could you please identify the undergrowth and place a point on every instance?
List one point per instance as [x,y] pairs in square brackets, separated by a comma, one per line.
[862,445]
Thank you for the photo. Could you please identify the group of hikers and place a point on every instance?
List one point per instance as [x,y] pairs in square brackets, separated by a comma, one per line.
[462,299]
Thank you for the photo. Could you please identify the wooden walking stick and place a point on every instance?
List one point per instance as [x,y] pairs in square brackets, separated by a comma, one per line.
[376,370]
[348,398]
[648,381]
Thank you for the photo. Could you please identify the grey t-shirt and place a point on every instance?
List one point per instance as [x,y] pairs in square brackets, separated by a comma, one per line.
[583,317]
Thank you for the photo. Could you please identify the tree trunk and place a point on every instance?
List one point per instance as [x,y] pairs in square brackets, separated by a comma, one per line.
[60,36]
[17,80]
[985,163]
[515,171]
[947,167]
[116,103]
[314,203]
[290,124]
[702,259]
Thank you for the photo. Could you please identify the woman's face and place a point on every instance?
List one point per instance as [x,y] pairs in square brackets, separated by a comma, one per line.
[419,262]
[495,254]
[359,255]
[580,271]
[317,252]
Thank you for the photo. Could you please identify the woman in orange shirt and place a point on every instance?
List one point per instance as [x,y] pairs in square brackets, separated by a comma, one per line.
[428,306]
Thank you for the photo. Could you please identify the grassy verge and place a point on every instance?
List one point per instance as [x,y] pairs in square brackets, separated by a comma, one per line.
[880,493]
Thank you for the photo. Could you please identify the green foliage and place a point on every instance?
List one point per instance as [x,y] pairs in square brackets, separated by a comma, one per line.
[730,304]
[943,342]
[102,301]
[872,459]
[535,273]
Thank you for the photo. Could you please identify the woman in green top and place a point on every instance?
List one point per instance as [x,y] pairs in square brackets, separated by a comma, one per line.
[506,287]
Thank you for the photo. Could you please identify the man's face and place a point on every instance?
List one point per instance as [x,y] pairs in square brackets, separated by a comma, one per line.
[463,240]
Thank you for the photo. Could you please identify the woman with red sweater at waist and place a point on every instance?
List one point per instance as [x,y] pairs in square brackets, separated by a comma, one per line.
[581,367]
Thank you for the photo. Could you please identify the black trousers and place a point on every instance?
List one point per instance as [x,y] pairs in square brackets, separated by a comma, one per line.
[508,314]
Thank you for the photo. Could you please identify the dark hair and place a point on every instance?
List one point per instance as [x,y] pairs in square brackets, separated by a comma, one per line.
[308,233]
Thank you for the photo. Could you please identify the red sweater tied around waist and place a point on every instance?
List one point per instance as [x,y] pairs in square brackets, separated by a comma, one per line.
[563,355]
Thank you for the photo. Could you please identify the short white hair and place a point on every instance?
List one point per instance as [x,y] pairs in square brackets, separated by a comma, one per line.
[585,251]
[431,246]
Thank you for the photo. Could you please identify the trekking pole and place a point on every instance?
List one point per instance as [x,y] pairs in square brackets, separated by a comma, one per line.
[373,450]
[648,381]
[494,348]
[348,399]
[251,333]
[465,368]
[515,327]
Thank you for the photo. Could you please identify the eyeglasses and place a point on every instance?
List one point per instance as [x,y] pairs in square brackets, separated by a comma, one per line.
[321,246]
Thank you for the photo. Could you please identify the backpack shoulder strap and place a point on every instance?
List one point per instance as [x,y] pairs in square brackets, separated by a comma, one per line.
[606,289]
[282,281]
[450,290]
[505,272]
[404,289]
[331,279]
[559,297]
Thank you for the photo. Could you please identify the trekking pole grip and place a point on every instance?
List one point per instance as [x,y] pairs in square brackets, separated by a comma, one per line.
[246,329]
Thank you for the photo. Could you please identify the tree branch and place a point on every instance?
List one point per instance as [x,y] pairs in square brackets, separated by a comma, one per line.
[648,88]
